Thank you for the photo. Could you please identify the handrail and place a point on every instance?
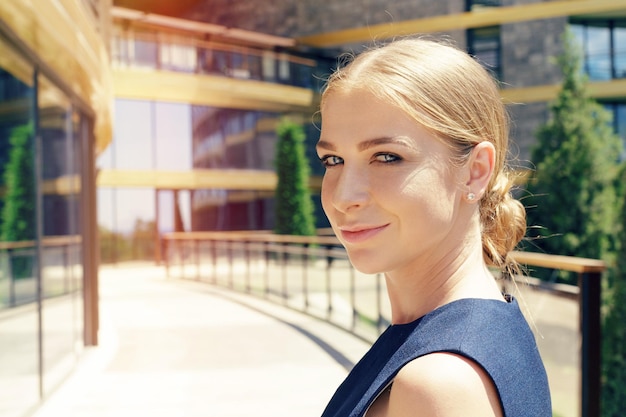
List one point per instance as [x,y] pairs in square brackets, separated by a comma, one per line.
[49,241]
[248,236]
[566,263]
[590,303]
[21,289]
[209,57]
[589,282]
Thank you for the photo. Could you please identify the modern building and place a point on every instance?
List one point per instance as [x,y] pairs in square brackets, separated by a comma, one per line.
[56,108]
[133,117]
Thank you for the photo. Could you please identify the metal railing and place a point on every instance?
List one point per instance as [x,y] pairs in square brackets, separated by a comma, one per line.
[179,54]
[60,255]
[308,274]
[296,270]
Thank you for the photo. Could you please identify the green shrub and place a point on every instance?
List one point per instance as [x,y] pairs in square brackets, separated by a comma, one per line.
[294,207]
[572,200]
[18,221]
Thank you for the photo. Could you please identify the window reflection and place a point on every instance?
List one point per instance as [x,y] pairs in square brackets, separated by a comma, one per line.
[604,47]
[484,45]
[41,260]
[19,333]
[618,110]
[61,264]
[472,5]
[619,45]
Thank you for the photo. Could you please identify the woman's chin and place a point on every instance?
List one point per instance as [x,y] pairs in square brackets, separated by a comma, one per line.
[365,266]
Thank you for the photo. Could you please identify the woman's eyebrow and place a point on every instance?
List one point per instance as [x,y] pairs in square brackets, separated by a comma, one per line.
[396,140]
[322,144]
[370,143]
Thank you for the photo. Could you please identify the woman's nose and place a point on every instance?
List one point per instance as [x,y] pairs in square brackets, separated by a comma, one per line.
[351,190]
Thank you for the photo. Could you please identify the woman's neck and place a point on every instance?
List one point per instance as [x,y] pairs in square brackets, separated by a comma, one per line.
[420,290]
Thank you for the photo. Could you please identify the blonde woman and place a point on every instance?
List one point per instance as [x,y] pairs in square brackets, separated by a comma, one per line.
[414,140]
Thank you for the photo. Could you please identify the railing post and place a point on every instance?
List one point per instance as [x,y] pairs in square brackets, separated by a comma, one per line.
[305,276]
[166,257]
[11,278]
[379,322]
[353,297]
[329,293]
[231,266]
[213,243]
[197,254]
[284,272]
[590,329]
[66,261]
[181,253]
[266,278]
[246,254]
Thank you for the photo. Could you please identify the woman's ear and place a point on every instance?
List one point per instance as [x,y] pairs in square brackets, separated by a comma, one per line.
[481,165]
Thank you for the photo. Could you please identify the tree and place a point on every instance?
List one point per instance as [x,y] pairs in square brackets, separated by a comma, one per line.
[18,212]
[294,207]
[143,239]
[614,334]
[572,201]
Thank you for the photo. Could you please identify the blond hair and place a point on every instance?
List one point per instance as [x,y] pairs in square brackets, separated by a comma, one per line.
[443,89]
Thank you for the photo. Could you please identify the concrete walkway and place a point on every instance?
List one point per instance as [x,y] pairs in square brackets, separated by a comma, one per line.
[173,347]
[179,348]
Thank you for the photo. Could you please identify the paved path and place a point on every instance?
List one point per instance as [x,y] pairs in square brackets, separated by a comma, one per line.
[178,348]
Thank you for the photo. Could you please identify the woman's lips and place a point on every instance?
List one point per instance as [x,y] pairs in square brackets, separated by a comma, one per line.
[361,234]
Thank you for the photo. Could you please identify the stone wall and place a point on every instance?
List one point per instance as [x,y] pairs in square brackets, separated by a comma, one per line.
[527,47]
[296,18]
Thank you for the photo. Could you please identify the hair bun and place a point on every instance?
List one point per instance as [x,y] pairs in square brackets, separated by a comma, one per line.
[503,220]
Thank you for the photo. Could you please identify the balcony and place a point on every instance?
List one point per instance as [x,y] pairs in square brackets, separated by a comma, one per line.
[162,58]
[234,315]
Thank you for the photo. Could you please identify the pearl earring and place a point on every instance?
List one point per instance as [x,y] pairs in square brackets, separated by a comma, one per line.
[471,196]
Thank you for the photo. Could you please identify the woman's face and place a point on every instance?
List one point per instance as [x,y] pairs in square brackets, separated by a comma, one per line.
[390,192]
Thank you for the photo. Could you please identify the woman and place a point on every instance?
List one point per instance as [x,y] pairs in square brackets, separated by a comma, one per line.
[414,140]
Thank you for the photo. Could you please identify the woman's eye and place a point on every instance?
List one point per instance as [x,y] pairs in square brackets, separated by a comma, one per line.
[331,160]
[387,158]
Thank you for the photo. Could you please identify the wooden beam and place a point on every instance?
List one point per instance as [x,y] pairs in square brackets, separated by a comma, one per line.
[231,179]
[228,179]
[64,37]
[479,18]
[209,90]
[541,93]
[566,263]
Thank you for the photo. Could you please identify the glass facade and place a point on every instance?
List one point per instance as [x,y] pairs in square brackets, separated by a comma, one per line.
[146,48]
[471,5]
[42,133]
[484,45]
[159,136]
[232,139]
[618,110]
[603,43]
[603,46]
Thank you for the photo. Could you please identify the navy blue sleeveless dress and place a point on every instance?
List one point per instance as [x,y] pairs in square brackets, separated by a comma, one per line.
[491,333]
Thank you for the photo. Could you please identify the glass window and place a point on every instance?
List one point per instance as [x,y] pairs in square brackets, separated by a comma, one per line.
[173,136]
[178,57]
[471,5]
[144,50]
[19,333]
[61,266]
[132,145]
[604,47]
[484,45]
[618,110]
[619,49]
[597,45]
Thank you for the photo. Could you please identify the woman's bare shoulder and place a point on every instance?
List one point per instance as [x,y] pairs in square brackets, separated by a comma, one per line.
[443,384]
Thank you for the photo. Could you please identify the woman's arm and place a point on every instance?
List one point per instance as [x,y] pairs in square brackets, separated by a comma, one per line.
[440,385]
